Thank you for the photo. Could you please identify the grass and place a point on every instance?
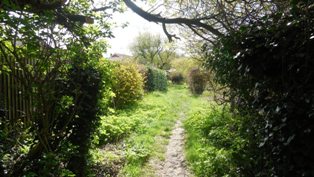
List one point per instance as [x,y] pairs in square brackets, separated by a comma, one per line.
[140,133]
[214,145]
[148,141]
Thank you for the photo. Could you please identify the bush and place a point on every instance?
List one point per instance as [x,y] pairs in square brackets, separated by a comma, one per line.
[197,81]
[176,78]
[127,86]
[115,127]
[156,80]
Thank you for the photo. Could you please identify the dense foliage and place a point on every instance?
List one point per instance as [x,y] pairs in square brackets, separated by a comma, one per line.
[88,81]
[127,85]
[53,88]
[155,79]
[268,67]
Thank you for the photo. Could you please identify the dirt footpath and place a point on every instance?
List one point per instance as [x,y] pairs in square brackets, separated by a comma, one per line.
[175,165]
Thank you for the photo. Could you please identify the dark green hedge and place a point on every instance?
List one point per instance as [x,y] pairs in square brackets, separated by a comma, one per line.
[155,80]
[268,67]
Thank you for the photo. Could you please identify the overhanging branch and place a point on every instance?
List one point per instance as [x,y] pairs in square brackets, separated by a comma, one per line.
[158,19]
[169,36]
[34,4]
[39,7]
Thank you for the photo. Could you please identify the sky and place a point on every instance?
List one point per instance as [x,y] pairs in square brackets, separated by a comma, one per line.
[125,36]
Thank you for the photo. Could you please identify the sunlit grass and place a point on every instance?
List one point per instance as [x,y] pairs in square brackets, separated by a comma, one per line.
[149,139]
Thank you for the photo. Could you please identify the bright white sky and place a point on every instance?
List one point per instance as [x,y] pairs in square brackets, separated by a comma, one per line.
[125,36]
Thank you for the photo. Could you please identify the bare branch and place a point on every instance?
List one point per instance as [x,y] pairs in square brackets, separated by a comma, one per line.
[159,19]
[200,35]
[101,8]
[169,36]
[39,7]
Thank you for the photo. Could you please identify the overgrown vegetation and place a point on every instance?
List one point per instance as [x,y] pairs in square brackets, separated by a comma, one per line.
[140,133]
[176,77]
[184,65]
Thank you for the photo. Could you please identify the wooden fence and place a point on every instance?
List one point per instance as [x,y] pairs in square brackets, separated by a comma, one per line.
[15,102]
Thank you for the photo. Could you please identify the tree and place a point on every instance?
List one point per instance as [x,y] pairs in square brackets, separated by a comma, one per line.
[152,50]
[201,23]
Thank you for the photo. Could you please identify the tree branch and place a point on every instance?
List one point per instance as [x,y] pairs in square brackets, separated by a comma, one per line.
[38,7]
[200,35]
[169,36]
[101,8]
[66,18]
[159,19]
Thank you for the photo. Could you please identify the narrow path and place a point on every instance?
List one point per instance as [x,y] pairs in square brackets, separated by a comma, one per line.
[175,165]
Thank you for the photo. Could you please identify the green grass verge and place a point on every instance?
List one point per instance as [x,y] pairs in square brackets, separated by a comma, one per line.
[213,145]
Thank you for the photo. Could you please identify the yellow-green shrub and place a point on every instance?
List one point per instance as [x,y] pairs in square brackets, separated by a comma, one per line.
[127,86]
